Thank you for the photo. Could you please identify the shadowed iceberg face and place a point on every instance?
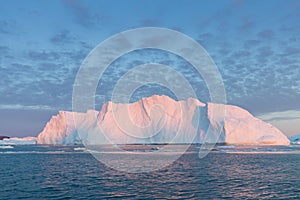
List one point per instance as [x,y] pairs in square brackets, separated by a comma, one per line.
[160,119]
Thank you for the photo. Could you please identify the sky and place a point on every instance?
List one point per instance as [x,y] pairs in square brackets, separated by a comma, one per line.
[255,45]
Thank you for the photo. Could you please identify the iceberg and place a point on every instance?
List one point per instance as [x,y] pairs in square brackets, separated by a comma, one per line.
[295,139]
[3,137]
[18,141]
[160,120]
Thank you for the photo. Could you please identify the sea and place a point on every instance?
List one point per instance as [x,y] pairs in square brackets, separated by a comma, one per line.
[227,172]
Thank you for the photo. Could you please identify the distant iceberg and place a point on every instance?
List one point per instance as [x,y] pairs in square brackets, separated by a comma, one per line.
[3,137]
[295,139]
[18,141]
[160,119]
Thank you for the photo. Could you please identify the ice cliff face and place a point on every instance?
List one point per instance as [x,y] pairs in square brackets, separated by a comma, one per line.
[61,129]
[160,119]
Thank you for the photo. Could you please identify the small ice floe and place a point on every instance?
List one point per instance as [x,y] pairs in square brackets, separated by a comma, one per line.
[79,149]
[6,147]
[226,147]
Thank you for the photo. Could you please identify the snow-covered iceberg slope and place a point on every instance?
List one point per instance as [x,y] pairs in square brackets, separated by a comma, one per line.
[160,119]
[295,139]
[18,141]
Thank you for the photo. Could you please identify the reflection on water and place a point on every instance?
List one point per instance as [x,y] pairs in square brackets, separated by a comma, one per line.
[41,172]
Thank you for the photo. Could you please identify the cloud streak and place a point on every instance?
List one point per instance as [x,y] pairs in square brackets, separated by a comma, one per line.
[287,121]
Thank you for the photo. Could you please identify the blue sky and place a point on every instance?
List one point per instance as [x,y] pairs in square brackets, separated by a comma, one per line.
[255,44]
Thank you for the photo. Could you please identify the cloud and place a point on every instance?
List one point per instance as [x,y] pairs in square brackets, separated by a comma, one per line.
[86,45]
[75,56]
[266,34]
[81,13]
[241,54]
[50,66]
[47,84]
[25,107]
[287,121]
[257,73]
[59,56]
[43,55]
[205,38]
[251,43]
[150,22]
[252,65]
[237,3]
[283,115]
[247,24]
[291,51]
[63,37]
[7,26]
[4,50]
[264,53]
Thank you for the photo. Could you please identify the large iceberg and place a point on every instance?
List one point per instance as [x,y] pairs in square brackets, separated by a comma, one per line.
[295,139]
[160,119]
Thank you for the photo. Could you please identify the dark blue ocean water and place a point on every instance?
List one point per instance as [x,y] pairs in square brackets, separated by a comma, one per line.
[62,172]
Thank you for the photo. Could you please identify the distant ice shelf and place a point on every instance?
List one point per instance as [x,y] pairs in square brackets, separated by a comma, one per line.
[18,141]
